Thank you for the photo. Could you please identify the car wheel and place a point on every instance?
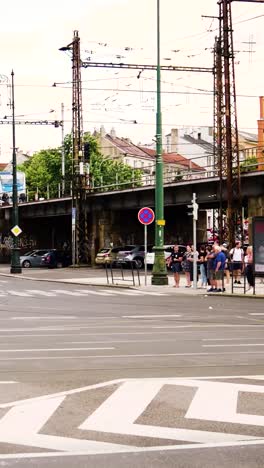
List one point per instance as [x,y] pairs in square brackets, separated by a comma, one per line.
[26,264]
[139,262]
[59,265]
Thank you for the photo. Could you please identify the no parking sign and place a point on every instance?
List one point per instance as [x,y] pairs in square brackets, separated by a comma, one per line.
[146,216]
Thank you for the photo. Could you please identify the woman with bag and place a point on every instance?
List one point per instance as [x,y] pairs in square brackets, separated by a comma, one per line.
[175,265]
[187,265]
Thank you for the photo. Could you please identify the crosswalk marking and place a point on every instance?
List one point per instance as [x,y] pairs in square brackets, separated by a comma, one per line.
[96,293]
[78,293]
[19,293]
[40,292]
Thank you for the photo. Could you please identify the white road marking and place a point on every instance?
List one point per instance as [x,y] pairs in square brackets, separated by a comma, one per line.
[231,339]
[40,292]
[135,292]
[257,313]
[119,412]
[149,316]
[217,401]
[120,356]
[33,416]
[38,350]
[19,293]
[96,293]
[67,293]
[231,345]
[51,317]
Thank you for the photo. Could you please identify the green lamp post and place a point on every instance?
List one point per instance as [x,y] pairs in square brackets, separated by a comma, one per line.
[15,257]
[159,272]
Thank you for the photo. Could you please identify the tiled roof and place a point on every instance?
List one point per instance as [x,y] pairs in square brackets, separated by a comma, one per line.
[2,166]
[174,158]
[126,146]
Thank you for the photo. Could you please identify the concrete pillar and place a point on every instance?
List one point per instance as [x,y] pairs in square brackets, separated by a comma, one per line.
[260,151]
[174,140]
[202,227]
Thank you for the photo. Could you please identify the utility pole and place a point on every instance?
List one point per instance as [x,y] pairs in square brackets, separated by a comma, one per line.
[62,152]
[226,123]
[15,257]
[159,272]
[79,214]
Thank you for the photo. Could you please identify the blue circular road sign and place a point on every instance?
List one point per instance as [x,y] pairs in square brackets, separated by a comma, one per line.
[146,216]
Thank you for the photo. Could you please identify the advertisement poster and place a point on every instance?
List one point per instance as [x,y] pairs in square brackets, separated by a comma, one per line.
[6,183]
[258,244]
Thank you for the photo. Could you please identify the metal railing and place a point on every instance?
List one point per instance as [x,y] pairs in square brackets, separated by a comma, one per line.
[146,179]
[131,267]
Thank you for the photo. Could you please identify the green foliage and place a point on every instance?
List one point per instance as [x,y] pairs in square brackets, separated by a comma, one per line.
[249,165]
[44,169]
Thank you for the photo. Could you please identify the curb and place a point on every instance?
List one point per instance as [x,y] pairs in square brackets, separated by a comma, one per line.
[121,286]
[67,282]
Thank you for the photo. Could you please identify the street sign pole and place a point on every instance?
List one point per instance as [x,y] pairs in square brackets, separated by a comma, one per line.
[146,216]
[146,248]
[195,217]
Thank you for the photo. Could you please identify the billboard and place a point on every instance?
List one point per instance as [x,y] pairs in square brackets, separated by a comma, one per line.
[258,244]
[6,183]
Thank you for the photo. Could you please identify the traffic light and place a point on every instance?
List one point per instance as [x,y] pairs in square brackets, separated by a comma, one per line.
[194,206]
[87,151]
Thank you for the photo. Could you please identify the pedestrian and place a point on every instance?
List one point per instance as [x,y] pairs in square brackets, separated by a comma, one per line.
[210,255]
[187,265]
[191,260]
[237,259]
[227,264]
[175,261]
[249,266]
[219,268]
[203,266]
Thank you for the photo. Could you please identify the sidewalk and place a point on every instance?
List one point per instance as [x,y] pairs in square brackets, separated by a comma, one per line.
[97,277]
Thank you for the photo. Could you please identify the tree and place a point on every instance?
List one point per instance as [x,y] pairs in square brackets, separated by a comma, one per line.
[249,165]
[43,169]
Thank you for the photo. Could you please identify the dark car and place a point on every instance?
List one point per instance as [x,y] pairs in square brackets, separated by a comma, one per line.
[56,259]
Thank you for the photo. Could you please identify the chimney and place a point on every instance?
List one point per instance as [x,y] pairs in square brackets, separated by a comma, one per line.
[102,131]
[174,140]
[260,150]
[113,133]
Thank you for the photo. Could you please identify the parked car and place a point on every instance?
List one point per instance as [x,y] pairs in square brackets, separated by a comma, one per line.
[167,252]
[132,252]
[56,258]
[33,258]
[106,255]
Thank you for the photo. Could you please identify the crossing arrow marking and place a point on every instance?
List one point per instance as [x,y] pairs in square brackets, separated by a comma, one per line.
[215,401]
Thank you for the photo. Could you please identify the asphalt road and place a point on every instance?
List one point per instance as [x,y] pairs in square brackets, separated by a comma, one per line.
[113,377]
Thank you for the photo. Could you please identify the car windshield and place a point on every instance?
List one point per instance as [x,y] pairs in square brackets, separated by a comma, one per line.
[29,253]
[103,250]
[127,247]
[115,249]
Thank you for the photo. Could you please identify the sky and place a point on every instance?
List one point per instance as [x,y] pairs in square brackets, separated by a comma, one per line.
[32,32]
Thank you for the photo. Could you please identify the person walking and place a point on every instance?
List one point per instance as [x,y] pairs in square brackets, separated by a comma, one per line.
[175,264]
[203,265]
[249,266]
[227,264]
[237,258]
[187,265]
[219,268]
[210,256]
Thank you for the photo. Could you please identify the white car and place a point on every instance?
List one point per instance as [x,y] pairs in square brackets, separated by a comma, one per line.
[167,252]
